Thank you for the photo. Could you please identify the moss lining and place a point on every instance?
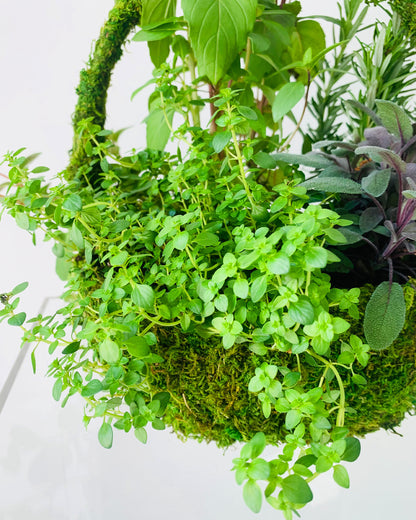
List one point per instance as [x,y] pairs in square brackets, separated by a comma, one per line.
[210,400]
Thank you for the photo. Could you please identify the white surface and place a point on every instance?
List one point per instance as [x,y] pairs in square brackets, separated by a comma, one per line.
[50,467]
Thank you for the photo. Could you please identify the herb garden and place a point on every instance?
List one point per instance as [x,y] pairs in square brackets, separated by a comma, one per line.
[248,274]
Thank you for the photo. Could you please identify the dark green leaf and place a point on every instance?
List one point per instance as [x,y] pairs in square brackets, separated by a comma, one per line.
[296,490]
[353,449]
[384,316]
[71,348]
[105,435]
[218,31]
[370,218]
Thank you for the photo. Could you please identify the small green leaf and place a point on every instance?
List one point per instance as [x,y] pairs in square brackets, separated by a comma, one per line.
[259,469]
[352,450]
[316,257]
[138,346]
[73,203]
[180,240]
[105,435]
[247,113]
[76,236]
[341,476]
[109,351]
[258,444]
[119,258]
[92,388]
[20,288]
[287,98]
[296,490]
[17,319]
[22,220]
[258,288]
[143,296]
[220,141]
[384,316]
[57,389]
[264,160]
[141,435]
[241,288]
[279,264]
[207,239]
[252,496]
[292,419]
[302,311]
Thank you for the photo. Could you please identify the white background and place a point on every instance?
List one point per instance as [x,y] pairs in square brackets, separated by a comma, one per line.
[50,467]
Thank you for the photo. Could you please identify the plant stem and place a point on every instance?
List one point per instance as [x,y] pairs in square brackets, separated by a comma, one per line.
[330,366]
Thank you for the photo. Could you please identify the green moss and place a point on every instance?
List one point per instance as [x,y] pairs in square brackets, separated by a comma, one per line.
[210,400]
[95,79]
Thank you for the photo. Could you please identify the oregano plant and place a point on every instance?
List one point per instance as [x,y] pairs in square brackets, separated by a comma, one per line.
[233,288]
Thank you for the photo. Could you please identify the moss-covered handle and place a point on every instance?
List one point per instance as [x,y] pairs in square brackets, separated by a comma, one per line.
[95,78]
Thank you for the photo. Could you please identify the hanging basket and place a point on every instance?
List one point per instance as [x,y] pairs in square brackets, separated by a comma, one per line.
[199,295]
[207,384]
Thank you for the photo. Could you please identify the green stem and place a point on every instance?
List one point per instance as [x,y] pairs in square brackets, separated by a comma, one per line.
[341,411]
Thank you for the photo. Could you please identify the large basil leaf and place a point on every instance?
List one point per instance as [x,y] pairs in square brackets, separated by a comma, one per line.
[218,31]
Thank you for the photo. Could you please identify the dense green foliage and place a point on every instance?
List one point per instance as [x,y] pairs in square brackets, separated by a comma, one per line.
[201,291]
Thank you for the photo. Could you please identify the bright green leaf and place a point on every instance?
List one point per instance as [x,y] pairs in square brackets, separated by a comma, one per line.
[287,98]
[218,31]
[105,435]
